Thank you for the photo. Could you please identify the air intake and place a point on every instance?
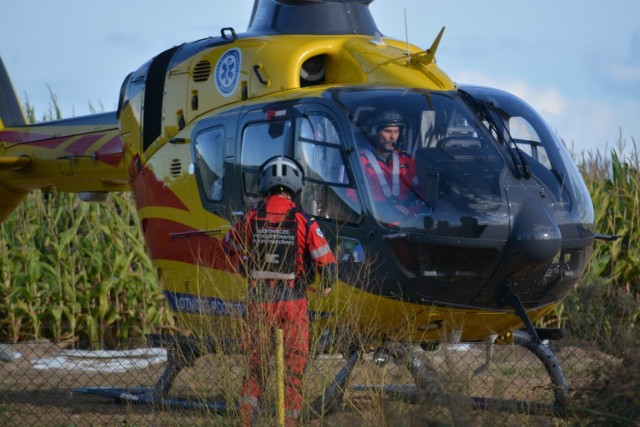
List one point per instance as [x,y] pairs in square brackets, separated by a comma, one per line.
[202,71]
[176,167]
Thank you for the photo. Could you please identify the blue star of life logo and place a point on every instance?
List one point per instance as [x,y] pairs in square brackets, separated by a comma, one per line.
[228,71]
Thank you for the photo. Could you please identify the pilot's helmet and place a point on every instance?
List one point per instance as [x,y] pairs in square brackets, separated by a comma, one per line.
[283,172]
[385,119]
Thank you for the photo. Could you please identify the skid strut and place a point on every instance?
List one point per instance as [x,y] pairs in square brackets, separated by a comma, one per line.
[428,389]
[182,352]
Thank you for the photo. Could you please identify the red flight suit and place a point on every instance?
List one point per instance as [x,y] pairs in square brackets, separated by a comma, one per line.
[277,293]
[391,179]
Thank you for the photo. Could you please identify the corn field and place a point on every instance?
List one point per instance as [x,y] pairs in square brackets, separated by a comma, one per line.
[74,271]
[614,184]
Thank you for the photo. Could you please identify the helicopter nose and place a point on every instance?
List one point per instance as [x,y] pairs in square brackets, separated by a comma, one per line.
[535,233]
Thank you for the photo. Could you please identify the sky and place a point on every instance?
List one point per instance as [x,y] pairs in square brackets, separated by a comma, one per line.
[576,62]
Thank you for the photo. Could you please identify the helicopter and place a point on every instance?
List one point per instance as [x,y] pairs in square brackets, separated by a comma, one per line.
[501,226]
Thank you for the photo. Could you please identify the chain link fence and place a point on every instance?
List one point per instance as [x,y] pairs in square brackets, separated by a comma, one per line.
[45,383]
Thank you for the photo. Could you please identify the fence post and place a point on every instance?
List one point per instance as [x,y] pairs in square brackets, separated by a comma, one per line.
[280,377]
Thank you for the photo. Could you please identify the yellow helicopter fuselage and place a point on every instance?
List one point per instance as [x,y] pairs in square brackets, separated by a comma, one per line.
[185,121]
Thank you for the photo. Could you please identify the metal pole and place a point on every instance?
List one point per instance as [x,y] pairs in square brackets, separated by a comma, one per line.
[280,376]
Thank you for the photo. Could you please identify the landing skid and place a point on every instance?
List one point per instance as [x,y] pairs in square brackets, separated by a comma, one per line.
[559,386]
[148,396]
[426,387]
[183,352]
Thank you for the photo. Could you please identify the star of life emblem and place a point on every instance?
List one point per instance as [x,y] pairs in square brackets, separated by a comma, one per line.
[228,71]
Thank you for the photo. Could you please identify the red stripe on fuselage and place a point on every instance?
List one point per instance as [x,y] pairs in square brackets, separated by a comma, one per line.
[149,191]
[111,153]
[51,144]
[81,146]
[170,240]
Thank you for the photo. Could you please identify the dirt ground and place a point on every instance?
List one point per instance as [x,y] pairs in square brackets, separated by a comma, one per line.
[50,397]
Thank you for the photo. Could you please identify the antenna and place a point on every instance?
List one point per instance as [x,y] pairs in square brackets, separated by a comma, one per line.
[406,32]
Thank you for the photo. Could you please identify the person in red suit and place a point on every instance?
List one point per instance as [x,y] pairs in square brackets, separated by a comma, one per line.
[390,172]
[278,243]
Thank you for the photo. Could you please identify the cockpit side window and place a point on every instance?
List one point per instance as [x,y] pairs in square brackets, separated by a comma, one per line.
[319,128]
[528,140]
[327,192]
[209,152]
[531,144]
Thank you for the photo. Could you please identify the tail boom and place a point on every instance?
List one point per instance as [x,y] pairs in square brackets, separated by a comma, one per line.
[76,155]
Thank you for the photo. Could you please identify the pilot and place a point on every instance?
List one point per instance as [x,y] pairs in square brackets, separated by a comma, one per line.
[390,172]
[278,241]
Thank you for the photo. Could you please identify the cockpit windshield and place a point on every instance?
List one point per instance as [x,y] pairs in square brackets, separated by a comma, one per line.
[426,161]
[436,161]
